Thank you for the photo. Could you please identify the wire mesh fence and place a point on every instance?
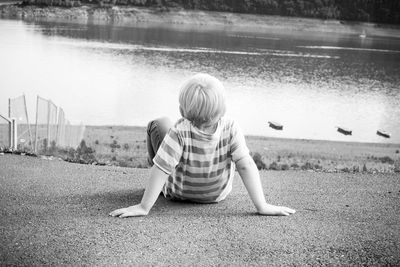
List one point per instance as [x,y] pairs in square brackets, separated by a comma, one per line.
[5,139]
[51,129]
[73,134]
[17,109]
[46,125]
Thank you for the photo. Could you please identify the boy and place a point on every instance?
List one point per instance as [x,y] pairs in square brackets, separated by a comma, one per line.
[195,159]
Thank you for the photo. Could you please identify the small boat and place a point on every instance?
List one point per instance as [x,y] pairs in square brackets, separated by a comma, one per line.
[275,125]
[344,131]
[383,134]
[363,35]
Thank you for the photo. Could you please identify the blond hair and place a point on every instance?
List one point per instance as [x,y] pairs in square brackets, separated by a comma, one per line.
[202,100]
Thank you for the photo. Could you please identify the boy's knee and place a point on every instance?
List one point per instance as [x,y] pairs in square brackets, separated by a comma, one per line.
[161,125]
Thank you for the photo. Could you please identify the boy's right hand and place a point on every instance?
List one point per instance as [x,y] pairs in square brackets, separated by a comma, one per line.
[131,211]
[272,210]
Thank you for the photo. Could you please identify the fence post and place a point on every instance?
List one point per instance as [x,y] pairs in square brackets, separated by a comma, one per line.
[48,124]
[36,127]
[10,135]
[27,121]
[14,134]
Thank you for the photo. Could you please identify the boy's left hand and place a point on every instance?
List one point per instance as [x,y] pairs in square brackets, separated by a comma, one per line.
[132,211]
[272,210]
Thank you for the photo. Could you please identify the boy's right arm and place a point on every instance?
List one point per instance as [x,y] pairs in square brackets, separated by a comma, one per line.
[153,189]
[251,179]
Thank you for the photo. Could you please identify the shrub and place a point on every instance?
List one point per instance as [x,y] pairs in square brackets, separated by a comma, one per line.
[274,166]
[307,166]
[345,169]
[397,166]
[356,168]
[294,165]
[258,161]
[52,149]
[285,167]
[126,146]
[115,144]
[85,153]
[364,169]
[123,164]
[96,142]
[386,159]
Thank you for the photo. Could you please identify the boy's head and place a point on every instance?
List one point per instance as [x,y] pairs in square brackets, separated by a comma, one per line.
[202,100]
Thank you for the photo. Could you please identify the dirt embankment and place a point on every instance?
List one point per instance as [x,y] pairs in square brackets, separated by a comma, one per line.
[190,18]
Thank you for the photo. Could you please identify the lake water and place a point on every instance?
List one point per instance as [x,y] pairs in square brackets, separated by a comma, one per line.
[117,75]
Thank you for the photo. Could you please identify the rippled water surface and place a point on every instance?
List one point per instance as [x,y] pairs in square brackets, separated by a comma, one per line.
[310,83]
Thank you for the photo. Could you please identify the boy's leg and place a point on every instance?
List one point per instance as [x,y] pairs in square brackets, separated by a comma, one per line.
[156,131]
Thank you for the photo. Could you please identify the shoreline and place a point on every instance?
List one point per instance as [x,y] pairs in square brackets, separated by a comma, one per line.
[192,19]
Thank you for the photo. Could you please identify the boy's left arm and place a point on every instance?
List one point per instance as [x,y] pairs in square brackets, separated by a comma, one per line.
[251,178]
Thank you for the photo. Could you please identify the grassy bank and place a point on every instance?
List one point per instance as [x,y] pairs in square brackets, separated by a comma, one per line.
[130,16]
[126,146]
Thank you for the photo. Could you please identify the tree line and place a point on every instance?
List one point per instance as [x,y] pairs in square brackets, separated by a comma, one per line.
[378,11]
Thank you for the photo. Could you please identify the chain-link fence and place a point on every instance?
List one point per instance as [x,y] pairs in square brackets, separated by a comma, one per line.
[51,129]
[5,138]
[73,134]
[17,109]
[46,124]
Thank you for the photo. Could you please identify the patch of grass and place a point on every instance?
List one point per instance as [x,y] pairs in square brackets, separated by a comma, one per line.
[288,154]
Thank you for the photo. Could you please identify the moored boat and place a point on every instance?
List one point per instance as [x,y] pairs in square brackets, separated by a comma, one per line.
[275,125]
[344,131]
[383,133]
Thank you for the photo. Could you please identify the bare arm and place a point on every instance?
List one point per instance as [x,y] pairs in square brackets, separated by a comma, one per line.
[251,178]
[154,186]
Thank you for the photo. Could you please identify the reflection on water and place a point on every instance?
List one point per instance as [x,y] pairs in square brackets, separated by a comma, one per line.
[310,83]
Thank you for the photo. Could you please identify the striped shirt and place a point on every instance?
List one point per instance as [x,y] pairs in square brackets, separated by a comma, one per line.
[200,165]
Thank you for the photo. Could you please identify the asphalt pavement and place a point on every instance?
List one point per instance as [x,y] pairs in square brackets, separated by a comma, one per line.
[56,213]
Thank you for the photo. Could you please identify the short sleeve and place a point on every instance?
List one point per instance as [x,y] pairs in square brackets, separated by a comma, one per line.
[170,152]
[239,148]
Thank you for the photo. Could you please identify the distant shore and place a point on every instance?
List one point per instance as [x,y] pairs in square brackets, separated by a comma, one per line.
[130,16]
